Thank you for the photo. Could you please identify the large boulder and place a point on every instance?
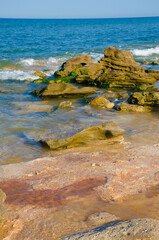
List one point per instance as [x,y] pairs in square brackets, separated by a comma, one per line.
[125,79]
[3,211]
[87,136]
[145,98]
[116,59]
[62,89]
[73,63]
[134,229]
[117,69]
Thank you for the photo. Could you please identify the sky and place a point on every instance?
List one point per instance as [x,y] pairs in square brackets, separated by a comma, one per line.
[78,9]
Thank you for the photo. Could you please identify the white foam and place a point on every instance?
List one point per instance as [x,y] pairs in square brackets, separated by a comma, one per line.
[20,75]
[145,52]
[51,62]
[96,56]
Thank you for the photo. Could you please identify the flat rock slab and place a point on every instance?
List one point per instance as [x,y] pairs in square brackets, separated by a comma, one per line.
[62,89]
[105,131]
[135,229]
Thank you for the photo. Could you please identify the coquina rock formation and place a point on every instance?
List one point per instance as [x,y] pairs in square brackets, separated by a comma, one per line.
[117,69]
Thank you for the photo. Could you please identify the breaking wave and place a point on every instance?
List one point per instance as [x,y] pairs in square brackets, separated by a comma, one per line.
[145,52]
[17,75]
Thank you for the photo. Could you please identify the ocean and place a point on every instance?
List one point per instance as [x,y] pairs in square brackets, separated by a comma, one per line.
[27,45]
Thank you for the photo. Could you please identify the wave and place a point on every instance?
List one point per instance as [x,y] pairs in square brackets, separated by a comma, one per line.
[51,62]
[145,52]
[17,75]
[54,62]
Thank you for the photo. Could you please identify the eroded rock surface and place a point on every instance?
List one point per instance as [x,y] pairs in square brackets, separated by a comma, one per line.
[125,107]
[53,197]
[86,137]
[117,69]
[73,63]
[145,98]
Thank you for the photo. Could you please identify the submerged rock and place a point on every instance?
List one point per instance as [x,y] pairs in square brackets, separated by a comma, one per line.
[125,107]
[145,98]
[87,136]
[3,211]
[119,95]
[62,89]
[101,218]
[134,229]
[65,105]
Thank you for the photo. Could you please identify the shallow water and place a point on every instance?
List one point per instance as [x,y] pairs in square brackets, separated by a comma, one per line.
[25,119]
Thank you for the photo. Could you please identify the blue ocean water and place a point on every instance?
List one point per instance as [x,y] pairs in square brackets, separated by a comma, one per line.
[44,38]
[27,45]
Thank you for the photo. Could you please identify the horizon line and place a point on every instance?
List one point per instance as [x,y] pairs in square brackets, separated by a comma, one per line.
[75,18]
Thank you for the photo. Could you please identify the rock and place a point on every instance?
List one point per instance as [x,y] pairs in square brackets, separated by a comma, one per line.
[153,73]
[40,74]
[155,63]
[99,101]
[65,105]
[73,63]
[38,107]
[117,59]
[87,136]
[125,107]
[3,211]
[119,95]
[134,229]
[145,98]
[117,69]
[126,80]
[145,62]
[109,105]
[62,89]
[89,72]
[87,79]
[101,218]
[90,69]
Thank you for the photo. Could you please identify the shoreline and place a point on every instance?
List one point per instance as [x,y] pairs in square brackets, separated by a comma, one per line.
[45,189]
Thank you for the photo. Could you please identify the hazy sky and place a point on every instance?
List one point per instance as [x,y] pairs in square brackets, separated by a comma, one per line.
[78,8]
